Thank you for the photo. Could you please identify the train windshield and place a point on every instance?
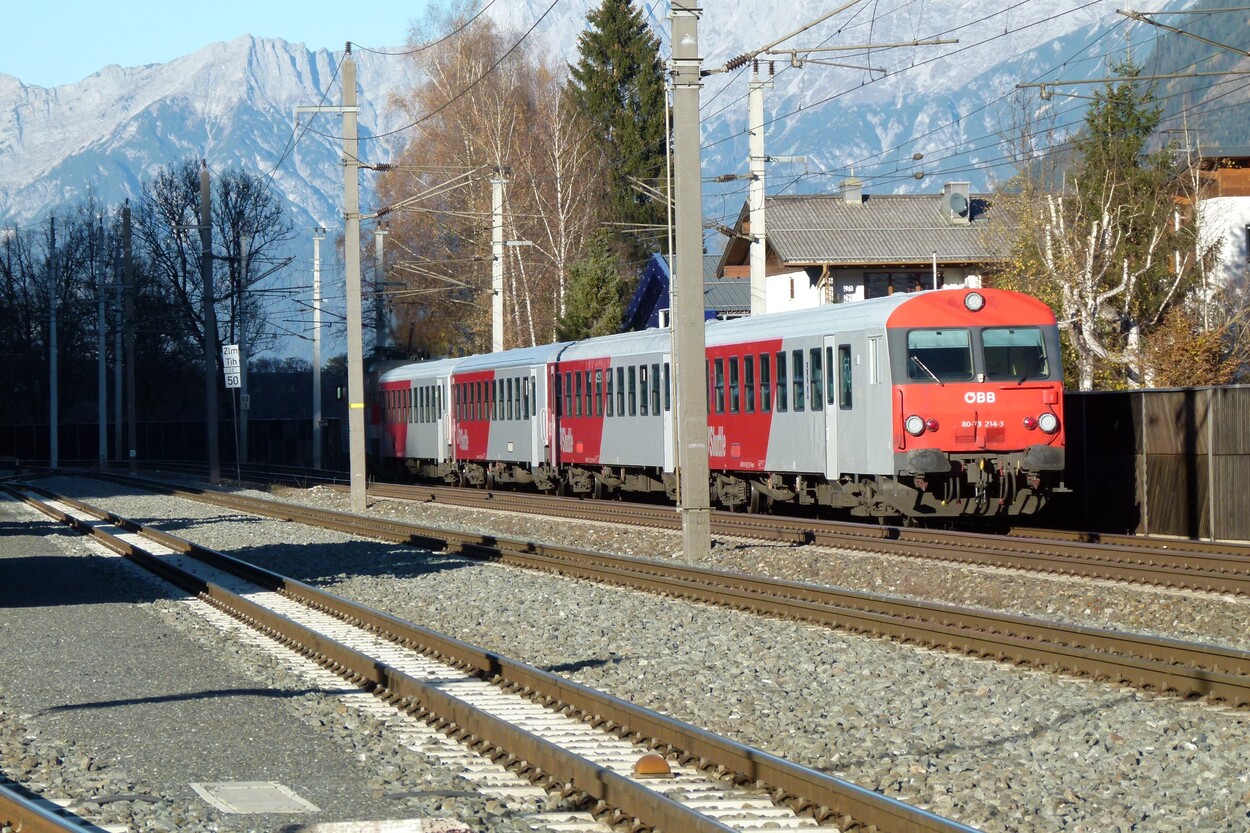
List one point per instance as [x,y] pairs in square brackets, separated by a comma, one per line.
[939,355]
[1015,353]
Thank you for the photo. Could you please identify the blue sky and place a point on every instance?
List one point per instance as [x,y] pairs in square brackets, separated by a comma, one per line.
[63,43]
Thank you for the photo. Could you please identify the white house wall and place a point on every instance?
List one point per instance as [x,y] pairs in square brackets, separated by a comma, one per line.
[1225,219]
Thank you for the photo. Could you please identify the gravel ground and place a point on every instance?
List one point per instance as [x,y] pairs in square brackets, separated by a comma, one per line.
[998,748]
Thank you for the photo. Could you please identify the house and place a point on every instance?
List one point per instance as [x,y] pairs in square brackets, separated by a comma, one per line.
[1224,209]
[849,246]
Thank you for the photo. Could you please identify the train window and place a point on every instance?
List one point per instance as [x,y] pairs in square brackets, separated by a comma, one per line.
[874,360]
[831,388]
[844,376]
[1015,353]
[668,389]
[525,398]
[510,406]
[598,393]
[633,391]
[416,404]
[817,379]
[707,383]
[655,388]
[766,389]
[939,355]
[642,389]
[589,395]
[718,385]
[781,383]
[496,410]
[620,391]
[608,394]
[735,390]
[748,384]
[568,394]
[577,397]
[796,365]
[479,400]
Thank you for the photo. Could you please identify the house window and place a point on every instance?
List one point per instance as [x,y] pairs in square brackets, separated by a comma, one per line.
[880,284]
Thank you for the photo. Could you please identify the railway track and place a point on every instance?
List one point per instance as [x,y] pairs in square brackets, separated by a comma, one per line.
[1215,566]
[1148,662]
[1192,565]
[634,768]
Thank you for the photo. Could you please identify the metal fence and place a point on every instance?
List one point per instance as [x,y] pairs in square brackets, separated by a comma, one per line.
[1159,462]
[280,442]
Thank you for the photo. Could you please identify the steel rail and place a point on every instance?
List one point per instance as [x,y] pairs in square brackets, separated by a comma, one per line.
[1187,668]
[1216,567]
[19,812]
[826,796]
[1221,567]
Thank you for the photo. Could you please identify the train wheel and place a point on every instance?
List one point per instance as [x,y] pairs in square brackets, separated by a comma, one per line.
[760,502]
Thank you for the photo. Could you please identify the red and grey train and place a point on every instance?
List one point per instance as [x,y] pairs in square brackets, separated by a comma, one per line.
[936,404]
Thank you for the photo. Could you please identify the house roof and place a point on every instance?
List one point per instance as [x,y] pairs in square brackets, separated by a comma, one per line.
[885,229]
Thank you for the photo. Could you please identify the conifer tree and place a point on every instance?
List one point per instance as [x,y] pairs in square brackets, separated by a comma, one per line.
[618,83]
[595,303]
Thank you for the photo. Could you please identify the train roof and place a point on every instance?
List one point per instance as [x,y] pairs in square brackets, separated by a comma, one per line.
[642,341]
[516,357]
[421,370]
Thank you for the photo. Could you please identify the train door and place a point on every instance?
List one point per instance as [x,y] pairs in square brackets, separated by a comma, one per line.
[833,373]
[443,420]
[532,409]
[670,414]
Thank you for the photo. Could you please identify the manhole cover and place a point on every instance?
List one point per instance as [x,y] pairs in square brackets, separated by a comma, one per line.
[252,797]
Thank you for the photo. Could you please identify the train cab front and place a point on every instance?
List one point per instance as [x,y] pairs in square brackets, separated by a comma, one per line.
[978,420]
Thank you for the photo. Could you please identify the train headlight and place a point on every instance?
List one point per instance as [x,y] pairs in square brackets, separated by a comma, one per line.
[1030,422]
[1048,422]
[914,425]
[974,301]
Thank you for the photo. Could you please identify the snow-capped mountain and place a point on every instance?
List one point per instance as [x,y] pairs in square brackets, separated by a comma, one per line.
[233,103]
[230,103]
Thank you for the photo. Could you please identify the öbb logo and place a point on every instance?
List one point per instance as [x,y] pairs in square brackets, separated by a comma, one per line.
[974,397]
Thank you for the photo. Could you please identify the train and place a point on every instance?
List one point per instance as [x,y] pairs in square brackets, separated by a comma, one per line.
[938,404]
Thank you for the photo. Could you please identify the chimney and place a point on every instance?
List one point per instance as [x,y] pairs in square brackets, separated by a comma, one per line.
[957,202]
[853,190]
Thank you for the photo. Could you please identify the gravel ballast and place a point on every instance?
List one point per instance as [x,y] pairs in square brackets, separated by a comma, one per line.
[996,747]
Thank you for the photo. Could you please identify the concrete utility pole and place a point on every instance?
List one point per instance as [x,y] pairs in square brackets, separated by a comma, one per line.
[210,323]
[496,266]
[755,96]
[245,245]
[689,343]
[101,341]
[318,236]
[351,252]
[53,416]
[128,314]
[381,320]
